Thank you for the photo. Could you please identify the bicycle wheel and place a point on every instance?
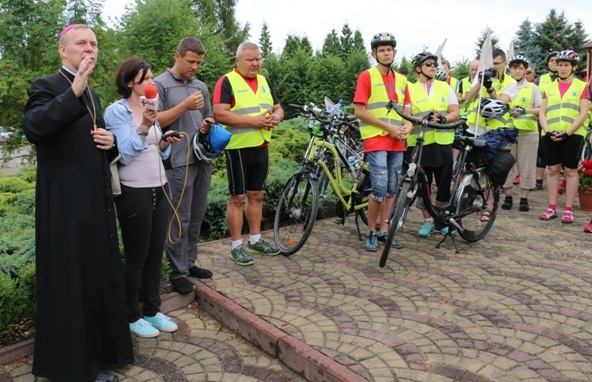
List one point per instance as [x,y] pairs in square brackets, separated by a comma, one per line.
[477,203]
[296,213]
[586,149]
[397,219]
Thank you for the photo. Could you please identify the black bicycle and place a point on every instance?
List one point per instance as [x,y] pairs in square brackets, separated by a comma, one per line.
[474,198]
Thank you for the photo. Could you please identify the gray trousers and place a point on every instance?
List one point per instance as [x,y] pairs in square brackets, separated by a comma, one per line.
[182,252]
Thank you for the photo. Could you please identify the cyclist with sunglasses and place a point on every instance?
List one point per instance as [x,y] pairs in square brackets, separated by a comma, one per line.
[436,100]
[383,134]
[495,84]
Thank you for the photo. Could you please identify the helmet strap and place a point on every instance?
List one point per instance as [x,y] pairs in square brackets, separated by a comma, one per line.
[426,76]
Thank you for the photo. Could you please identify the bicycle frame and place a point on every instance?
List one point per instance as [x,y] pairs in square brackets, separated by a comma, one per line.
[315,157]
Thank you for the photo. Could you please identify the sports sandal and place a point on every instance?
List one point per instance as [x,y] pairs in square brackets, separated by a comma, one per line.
[588,227]
[486,216]
[568,217]
[548,215]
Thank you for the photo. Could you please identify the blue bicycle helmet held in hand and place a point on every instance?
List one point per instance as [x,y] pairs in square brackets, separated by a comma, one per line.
[210,146]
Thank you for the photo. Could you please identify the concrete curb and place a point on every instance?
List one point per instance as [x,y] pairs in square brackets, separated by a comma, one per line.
[298,356]
[169,302]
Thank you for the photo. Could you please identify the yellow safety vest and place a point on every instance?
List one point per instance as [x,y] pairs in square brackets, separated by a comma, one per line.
[453,83]
[466,86]
[378,101]
[563,111]
[423,105]
[544,82]
[248,103]
[490,123]
[526,122]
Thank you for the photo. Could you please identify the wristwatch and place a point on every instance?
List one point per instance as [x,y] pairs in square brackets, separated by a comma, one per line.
[141,132]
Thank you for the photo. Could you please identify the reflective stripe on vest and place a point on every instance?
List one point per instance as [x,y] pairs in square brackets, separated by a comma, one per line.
[563,111]
[378,101]
[423,105]
[526,122]
[248,103]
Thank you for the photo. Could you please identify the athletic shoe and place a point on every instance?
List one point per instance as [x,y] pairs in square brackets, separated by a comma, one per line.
[381,236]
[162,323]
[240,256]
[263,248]
[371,241]
[426,230]
[444,231]
[142,328]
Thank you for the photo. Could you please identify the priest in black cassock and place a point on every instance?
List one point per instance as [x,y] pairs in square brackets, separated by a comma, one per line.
[82,324]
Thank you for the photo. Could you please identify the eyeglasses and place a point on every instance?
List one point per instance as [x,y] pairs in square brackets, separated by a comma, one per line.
[498,63]
[430,64]
[528,72]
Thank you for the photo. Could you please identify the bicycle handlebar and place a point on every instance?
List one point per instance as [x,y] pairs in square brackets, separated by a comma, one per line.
[424,121]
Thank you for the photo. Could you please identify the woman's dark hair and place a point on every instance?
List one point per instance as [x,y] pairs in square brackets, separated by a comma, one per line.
[127,72]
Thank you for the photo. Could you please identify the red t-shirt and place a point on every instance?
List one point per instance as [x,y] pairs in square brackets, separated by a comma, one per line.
[564,86]
[363,92]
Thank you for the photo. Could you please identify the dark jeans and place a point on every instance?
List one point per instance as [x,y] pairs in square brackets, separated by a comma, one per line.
[143,215]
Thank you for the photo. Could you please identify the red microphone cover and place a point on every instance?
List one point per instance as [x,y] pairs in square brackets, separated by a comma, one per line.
[150,92]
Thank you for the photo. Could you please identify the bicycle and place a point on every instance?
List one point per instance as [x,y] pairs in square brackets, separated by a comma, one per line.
[299,202]
[474,199]
[586,151]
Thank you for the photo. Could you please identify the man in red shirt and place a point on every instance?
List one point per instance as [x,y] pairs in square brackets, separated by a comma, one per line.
[384,134]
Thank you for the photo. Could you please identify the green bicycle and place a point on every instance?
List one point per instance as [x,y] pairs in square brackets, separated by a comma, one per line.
[325,163]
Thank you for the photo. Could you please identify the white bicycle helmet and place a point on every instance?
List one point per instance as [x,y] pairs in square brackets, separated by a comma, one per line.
[441,75]
[518,58]
[492,108]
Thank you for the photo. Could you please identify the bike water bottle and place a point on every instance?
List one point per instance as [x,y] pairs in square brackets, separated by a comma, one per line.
[337,108]
[354,163]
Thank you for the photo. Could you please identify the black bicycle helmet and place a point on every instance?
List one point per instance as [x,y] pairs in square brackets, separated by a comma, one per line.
[383,38]
[202,150]
[441,75]
[493,108]
[551,54]
[421,57]
[568,55]
[517,59]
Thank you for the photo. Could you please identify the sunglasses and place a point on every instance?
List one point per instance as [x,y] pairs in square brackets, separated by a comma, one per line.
[429,64]
[528,72]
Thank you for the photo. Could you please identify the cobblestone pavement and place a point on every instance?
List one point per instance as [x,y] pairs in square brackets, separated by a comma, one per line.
[201,350]
[516,306]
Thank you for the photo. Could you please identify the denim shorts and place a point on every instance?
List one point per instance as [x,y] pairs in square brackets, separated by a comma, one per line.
[385,170]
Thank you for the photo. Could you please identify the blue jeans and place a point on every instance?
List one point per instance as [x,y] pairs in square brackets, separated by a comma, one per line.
[385,170]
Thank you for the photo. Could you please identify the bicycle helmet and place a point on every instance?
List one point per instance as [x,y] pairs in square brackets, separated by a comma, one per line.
[421,57]
[519,58]
[492,108]
[202,150]
[551,54]
[568,55]
[383,38]
[441,75]
[210,146]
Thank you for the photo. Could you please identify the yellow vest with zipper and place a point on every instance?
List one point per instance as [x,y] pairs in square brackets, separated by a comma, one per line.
[250,104]
[377,104]
[527,122]
[544,82]
[423,105]
[466,86]
[563,111]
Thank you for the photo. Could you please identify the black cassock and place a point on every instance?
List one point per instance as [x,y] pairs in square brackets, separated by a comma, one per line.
[82,320]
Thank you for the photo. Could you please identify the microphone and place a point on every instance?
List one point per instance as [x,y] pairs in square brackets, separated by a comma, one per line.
[150,98]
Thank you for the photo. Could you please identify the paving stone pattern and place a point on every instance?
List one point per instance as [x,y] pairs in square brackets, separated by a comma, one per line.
[516,306]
